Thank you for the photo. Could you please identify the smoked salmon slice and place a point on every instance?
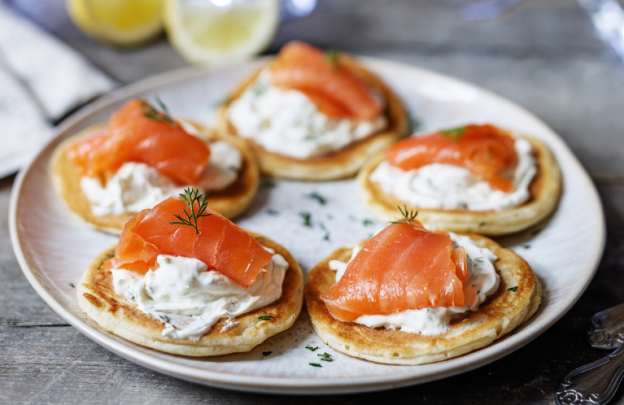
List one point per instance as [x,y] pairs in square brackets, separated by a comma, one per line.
[139,133]
[335,89]
[402,267]
[219,243]
[485,150]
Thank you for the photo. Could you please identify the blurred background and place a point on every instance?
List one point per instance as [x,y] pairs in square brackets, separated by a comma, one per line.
[545,55]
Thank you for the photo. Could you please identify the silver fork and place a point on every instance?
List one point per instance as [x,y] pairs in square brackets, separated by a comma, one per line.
[597,382]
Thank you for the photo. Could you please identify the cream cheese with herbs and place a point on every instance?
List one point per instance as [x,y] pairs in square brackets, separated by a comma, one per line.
[444,186]
[189,299]
[137,186]
[288,123]
[483,281]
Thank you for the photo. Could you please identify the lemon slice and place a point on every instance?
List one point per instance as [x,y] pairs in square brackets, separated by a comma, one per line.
[220,32]
[120,22]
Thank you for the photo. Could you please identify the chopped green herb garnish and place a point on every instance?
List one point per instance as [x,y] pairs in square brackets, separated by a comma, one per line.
[312,348]
[150,112]
[482,224]
[272,212]
[267,184]
[260,88]
[190,197]
[368,222]
[526,246]
[408,216]
[306,216]
[266,317]
[72,285]
[512,289]
[536,232]
[454,133]
[513,331]
[315,365]
[326,237]
[316,196]
[266,353]
[325,357]
[235,169]
[414,123]
[331,56]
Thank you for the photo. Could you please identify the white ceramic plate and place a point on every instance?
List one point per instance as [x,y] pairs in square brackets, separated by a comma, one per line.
[54,247]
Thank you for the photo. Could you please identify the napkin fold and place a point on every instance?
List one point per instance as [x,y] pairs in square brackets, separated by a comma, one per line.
[41,80]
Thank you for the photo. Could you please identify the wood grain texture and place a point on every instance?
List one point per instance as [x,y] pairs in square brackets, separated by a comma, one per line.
[543,55]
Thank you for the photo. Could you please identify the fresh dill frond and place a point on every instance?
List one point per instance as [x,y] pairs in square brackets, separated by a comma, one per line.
[315,365]
[316,196]
[265,354]
[310,348]
[190,197]
[512,289]
[367,222]
[454,133]
[151,112]
[235,170]
[72,285]
[408,216]
[272,212]
[326,237]
[266,317]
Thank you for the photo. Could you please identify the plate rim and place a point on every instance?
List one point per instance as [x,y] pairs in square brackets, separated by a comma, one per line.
[299,385]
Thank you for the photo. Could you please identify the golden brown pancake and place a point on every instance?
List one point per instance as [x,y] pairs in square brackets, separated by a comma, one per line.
[120,316]
[228,202]
[545,191]
[499,315]
[340,164]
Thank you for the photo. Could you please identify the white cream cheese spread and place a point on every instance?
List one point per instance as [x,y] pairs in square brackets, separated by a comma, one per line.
[137,186]
[483,281]
[444,186]
[288,123]
[189,299]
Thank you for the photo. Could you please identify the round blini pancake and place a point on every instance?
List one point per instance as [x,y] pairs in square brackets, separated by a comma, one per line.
[121,317]
[499,315]
[545,191]
[229,202]
[343,163]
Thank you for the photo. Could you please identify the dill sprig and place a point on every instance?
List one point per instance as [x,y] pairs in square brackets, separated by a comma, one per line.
[454,133]
[152,113]
[190,197]
[310,348]
[408,216]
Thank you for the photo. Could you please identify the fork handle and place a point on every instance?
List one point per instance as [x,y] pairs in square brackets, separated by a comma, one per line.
[594,383]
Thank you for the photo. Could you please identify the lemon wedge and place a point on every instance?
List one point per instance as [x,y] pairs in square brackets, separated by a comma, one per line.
[220,32]
[120,22]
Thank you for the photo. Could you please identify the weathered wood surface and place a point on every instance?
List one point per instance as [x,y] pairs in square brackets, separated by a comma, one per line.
[544,55]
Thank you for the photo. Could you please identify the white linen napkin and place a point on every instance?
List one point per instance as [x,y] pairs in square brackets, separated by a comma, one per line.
[41,79]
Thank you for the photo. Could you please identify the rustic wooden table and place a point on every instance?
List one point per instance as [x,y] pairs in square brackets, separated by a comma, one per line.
[543,54]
